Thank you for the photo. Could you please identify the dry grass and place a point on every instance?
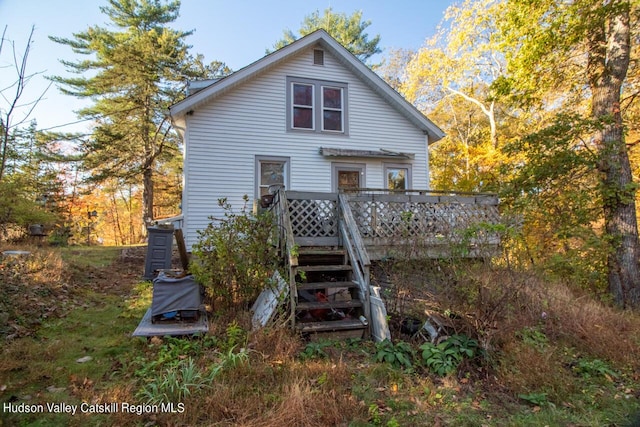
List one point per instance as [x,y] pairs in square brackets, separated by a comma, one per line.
[532,330]
[501,302]
[595,328]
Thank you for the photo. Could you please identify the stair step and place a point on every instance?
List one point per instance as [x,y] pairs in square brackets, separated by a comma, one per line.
[320,251]
[335,267]
[328,326]
[328,305]
[324,285]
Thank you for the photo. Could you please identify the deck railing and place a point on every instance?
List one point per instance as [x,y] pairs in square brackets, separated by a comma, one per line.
[287,246]
[373,224]
[356,252]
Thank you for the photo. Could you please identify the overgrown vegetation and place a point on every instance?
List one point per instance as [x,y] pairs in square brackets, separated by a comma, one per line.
[526,351]
[233,257]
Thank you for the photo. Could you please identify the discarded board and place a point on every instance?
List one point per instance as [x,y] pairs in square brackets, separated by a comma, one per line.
[379,325]
[268,300]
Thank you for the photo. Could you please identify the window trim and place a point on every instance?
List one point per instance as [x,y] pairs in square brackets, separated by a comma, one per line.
[389,166]
[258,171]
[323,108]
[312,107]
[318,105]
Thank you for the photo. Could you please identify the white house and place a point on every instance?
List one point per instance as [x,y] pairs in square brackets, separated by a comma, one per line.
[311,117]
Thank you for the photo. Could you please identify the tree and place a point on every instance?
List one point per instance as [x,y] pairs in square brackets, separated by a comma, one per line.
[12,95]
[348,30]
[451,77]
[462,61]
[136,70]
[555,38]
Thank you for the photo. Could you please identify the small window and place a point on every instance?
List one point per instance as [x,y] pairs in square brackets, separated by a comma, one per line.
[302,106]
[318,57]
[271,171]
[398,177]
[332,109]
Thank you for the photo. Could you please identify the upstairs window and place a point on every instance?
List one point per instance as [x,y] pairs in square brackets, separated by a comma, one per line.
[303,106]
[317,106]
[332,108]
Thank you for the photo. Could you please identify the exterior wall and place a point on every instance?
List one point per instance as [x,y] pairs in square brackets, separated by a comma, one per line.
[224,137]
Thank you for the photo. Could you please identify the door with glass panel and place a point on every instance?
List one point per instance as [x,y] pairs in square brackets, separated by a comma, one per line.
[347,177]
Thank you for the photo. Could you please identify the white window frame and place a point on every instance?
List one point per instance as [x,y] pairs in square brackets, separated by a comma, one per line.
[392,166]
[306,107]
[337,167]
[341,109]
[270,159]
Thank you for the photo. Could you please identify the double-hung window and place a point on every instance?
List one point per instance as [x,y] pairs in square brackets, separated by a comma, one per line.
[332,111]
[317,106]
[303,106]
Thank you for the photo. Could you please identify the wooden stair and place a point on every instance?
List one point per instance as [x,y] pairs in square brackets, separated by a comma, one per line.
[327,299]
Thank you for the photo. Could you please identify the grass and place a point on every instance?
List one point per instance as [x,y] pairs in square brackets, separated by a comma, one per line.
[575,366]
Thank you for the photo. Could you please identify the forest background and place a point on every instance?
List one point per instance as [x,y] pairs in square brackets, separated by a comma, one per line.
[539,101]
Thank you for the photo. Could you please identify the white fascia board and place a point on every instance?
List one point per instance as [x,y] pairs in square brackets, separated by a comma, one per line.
[239,76]
[384,90]
[347,58]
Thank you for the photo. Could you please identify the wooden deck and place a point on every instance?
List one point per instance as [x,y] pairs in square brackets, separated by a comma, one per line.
[369,224]
[413,223]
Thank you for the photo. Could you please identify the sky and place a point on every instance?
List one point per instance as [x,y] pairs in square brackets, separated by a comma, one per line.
[236,32]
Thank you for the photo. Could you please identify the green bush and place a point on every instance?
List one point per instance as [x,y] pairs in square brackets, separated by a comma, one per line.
[445,357]
[398,355]
[234,258]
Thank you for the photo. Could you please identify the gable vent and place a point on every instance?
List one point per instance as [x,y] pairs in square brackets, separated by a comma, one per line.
[318,57]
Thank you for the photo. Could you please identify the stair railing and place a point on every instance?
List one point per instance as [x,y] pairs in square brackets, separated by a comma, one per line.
[358,256]
[287,247]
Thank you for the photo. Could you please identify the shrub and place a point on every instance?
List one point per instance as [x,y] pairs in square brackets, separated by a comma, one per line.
[398,355]
[445,357]
[234,258]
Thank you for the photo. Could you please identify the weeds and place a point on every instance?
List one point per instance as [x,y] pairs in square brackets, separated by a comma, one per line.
[445,357]
[594,368]
[576,366]
[177,383]
[233,257]
[398,355]
[536,399]
[314,350]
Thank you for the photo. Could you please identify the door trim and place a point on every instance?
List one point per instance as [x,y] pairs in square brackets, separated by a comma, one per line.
[349,167]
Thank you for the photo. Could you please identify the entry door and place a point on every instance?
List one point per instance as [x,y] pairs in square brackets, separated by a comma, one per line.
[347,176]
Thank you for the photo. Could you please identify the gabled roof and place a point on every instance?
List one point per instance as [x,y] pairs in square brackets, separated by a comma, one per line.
[324,40]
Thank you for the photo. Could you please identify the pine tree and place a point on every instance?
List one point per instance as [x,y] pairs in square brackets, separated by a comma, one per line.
[133,71]
[348,30]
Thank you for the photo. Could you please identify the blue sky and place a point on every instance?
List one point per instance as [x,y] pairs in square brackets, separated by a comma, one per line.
[236,32]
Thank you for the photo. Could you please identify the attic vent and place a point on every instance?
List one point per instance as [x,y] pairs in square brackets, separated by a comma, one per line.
[318,57]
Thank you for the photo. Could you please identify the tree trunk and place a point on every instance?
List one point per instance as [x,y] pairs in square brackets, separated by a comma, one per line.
[147,195]
[609,54]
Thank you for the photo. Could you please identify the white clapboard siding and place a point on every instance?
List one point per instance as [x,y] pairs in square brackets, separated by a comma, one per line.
[224,136]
